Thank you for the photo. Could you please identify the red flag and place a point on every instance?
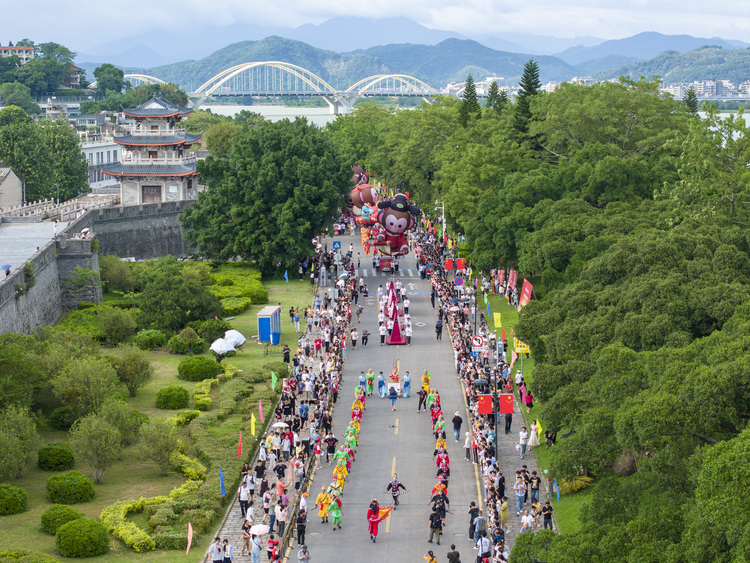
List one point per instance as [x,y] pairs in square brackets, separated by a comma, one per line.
[260,409]
[239,447]
[501,276]
[448,263]
[503,335]
[525,293]
[484,404]
[512,278]
[384,512]
[460,263]
[506,403]
[190,537]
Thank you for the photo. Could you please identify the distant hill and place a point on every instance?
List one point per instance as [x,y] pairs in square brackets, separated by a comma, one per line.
[435,64]
[439,63]
[643,46]
[699,64]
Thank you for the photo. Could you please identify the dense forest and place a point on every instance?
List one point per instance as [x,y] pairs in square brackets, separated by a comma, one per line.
[634,213]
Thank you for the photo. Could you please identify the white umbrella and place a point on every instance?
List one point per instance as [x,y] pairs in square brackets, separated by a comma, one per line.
[259,529]
[280,425]
[234,337]
[221,347]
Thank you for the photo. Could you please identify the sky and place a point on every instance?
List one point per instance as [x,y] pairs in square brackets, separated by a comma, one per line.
[84,24]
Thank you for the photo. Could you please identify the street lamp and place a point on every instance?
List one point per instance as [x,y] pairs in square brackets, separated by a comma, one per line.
[441,207]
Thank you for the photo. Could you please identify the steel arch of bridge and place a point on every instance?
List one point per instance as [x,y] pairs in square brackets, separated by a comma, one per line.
[311,79]
[416,85]
[142,77]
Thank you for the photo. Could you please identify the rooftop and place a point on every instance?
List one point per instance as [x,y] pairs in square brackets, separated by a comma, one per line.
[157,107]
[149,169]
[157,139]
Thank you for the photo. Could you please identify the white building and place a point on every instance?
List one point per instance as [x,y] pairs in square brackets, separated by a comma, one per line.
[101,153]
[11,188]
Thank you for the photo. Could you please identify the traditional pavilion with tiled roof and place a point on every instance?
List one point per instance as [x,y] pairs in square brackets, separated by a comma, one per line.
[155,165]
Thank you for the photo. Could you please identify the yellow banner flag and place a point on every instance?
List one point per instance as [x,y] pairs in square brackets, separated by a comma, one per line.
[450,243]
[471,271]
[498,320]
[252,424]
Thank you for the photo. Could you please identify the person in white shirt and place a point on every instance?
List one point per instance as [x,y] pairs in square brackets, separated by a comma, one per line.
[408,331]
[406,305]
[483,545]
[527,522]
[382,331]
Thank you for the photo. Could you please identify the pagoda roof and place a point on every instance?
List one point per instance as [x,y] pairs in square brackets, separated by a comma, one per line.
[149,169]
[187,139]
[157,107]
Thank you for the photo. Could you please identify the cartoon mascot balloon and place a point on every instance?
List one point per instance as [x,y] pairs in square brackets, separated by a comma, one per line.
[395,217]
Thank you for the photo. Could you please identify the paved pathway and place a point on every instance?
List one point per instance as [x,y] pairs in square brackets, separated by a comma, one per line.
[19,241]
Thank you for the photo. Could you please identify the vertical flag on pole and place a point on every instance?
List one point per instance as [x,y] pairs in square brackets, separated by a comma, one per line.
[286,275]
[260,410]
[190,537]
[221,483]
[239,446]
[557,488]
[489,311]
[526,290]
[252,424]
[273,381]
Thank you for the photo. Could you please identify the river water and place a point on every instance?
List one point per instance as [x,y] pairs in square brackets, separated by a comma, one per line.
[318,116]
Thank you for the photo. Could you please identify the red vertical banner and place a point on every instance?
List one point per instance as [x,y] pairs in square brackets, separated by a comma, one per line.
[449,263]
[501,276]
[525,293]
[513,278]
[506,403]
[460,263]
[484,404]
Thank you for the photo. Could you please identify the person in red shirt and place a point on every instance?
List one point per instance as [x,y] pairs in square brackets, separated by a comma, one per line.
[272,546]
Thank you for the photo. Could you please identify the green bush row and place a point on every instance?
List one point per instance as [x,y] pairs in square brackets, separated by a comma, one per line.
[235,305]
[172,397]
[185,417]
[23,556]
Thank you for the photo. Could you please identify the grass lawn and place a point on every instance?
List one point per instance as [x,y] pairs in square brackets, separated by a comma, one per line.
[567,511]
[132,477]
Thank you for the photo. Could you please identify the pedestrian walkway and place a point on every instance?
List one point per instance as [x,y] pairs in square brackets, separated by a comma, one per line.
[401,273]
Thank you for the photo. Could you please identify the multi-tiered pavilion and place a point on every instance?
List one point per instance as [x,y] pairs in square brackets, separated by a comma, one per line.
[155,164]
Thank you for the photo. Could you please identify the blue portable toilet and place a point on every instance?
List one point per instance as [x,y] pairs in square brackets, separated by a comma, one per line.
[269,324]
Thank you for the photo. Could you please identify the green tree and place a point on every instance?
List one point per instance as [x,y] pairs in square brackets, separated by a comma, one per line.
[169,301]
[109,78]
[97,443]
[42,76]
[20,370]
[12,114]
[133,368]
[249,118]
[124,418]
[23,148]
[19,439]
[54,51]
[281,185]
[84,283]
[116,274]
[496,101]
[70,169]
[116,325]
[469,103]
[690,99]
[85,384]
[159,442]
[219,138]
[530,87]
[17,94]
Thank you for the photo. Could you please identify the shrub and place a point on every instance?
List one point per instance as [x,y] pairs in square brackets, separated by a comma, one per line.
[171,540]
[202,403]
[71,487]
[82,538]
[183,418]
[12,499]
[211,329]
[193,469]
[24,556]
[115,518]
[62,418]
[150,339]
[197,368]
[57,515]
[57,456]
[177,346]
[116,325]
[235,305]
[172,397]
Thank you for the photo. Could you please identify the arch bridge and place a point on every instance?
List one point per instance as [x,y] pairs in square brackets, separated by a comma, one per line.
[276,78]
[136,80]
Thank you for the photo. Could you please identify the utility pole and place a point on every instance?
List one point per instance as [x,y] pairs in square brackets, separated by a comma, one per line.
[441,207]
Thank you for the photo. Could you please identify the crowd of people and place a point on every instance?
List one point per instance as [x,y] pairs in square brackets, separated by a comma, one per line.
[456,312]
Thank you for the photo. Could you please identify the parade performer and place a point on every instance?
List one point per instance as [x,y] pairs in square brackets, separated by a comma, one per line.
[407,385]
[340,473]
[351,438]
[394,375]
[334,510]
[381,385]
[439,427]
[323,500]
[426,381]
[370,377]
[394,487]
[374,517]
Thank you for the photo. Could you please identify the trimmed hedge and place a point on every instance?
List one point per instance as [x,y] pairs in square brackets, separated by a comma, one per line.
[232,306]
[150,339]
[13,500]
[185,417]
[57,515]
[82,538]
[172,397]
[62,418]
[71,487]
[24,556]
[197,368]
[57,456]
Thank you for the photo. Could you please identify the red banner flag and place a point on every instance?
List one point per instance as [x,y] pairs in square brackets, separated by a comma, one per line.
[239,447]
[190,537]
[506,403]
[504,337]
[448,263]
[460,263]
[484,404]
[514,357]
[260,409]
[525,293]
[501,277]
[513,278]
[384,512]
